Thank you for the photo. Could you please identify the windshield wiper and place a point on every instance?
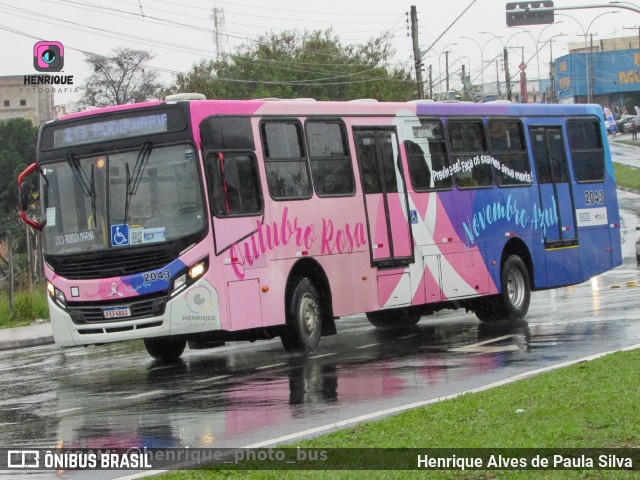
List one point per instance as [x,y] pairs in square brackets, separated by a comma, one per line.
[133,181]
[88,186]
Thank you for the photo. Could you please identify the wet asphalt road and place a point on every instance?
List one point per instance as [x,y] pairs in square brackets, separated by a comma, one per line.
[625,154]
[243,394]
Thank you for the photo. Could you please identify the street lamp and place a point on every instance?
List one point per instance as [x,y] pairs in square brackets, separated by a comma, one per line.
[463,72]
[589,61]
[538,49]
[440,52]
[481,61]
[506,65]
[551,79]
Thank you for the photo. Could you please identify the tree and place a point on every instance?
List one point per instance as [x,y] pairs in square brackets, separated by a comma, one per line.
[119,78]
[18,139]
[297,65]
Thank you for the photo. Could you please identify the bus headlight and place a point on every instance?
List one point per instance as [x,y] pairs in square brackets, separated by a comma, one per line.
[179,282]
[188,277]
[57,296]
[196,271]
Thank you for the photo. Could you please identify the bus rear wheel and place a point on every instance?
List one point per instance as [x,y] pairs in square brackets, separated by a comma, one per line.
[393,319]
[165,349]
[513,301]
[304,319]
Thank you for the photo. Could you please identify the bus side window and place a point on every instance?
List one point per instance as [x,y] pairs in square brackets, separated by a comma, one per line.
[285,161]
[509,149]
[469,153]
[234,184]
[331,166]
[419,171]
[587,154]
[427,156]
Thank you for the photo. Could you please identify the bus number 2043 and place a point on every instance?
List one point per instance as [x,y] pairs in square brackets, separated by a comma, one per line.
[159,275]
[592,197]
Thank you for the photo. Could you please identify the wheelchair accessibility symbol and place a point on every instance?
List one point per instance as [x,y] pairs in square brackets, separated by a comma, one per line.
[119,235]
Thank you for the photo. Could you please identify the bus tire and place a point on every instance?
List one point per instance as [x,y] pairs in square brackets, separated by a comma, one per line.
[304,319]
[515,294]
[393,319]
[165,349]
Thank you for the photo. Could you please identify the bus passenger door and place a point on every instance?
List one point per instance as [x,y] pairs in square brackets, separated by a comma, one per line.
[385,197]
[554,217]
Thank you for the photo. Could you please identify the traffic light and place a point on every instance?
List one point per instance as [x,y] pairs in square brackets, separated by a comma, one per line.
[528,13]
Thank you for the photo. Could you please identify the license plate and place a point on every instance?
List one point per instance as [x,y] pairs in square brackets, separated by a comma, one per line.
[116,312]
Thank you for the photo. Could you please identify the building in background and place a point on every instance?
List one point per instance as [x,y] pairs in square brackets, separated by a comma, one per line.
[607,72]
[18,100]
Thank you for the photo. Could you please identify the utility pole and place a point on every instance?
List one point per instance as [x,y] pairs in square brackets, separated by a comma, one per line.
[11,279]
[218,31]
[590,73]
[523,80]
[416,51]
[431,82]
[30,270]
[507,77]
[463,77]
[633,28]
[446,70]
[498,79]
[552,93]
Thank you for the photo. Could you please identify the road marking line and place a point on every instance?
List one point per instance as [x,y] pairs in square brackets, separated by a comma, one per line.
[369,346]
[323,355]
[212,379]
[493,340]
[67,410]
[480,346]
[409,336]
[144,394]
[483,349]
[270,366]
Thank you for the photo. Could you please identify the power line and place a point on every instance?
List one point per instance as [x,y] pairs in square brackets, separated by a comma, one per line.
[311,82]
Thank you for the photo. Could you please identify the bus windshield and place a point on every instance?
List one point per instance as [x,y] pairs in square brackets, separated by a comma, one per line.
[122,199]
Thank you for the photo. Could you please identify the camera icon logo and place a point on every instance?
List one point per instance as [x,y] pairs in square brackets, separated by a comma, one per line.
[48,56]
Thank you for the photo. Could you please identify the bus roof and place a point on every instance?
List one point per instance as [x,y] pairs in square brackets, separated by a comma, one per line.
[367,107]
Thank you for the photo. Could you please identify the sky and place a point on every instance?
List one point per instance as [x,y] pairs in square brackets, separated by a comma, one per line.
[181,32]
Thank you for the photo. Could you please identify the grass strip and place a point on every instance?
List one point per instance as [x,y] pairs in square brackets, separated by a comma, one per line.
[627,177]
[587,405]
[28,305]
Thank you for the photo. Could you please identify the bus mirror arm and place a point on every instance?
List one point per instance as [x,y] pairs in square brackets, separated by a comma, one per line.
[24,193]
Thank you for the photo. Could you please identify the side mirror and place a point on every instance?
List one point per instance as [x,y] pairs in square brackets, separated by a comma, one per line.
[24,193]
[24,196]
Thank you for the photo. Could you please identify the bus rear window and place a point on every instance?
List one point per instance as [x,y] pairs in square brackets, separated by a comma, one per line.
[587,154]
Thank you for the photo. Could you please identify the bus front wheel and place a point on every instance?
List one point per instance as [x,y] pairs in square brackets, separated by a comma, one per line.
[515,294]
[304,319]
[165,349]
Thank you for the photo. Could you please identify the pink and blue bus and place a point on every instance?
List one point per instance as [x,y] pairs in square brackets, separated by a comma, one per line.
[194,221]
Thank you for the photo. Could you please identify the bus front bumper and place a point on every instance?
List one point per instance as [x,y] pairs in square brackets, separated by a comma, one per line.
[193,311]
